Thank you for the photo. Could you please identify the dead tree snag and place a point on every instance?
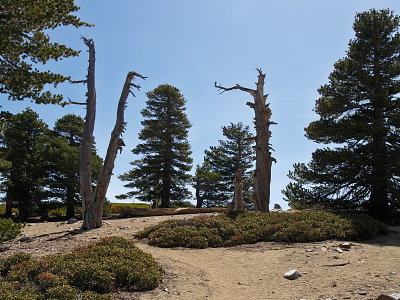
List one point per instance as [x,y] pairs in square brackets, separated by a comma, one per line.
[238,193]
[92,201]
[262,173]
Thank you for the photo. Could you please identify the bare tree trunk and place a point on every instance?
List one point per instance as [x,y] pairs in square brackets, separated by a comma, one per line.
[86,190]
[93,201]
[262,174]
[238,194]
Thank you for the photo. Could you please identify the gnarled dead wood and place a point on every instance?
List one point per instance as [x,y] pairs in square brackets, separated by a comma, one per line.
[262,173]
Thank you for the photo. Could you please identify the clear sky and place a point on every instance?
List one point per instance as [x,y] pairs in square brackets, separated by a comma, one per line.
[191,44]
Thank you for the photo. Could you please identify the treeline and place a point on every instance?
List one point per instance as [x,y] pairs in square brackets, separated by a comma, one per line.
[39,166]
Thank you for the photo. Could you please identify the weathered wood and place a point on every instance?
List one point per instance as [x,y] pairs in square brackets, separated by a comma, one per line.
[238,193]
[86,191]
[93,201]
[262,173]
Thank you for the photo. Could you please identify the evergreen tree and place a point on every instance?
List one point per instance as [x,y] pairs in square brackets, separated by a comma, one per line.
[25,44]
[359,111]
[234,152]
[24,138]
[161,174]
[207,185]
[63,157]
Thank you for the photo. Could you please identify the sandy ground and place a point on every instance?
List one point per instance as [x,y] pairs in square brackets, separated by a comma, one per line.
[248,272]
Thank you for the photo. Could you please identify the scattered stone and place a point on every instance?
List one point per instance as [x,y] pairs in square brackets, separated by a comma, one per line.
[339,250]
[362,293]
[95,237]
[309,250]
[166,290]
[292,274]
[393,273]
[394,296]
[26,239]
[29,224]
[72,221]
[124,227]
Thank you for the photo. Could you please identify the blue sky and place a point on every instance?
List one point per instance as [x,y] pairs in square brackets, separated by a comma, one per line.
[191,44]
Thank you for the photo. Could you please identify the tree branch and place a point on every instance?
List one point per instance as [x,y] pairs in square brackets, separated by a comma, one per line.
[78,81]
[78,103]
[236,87]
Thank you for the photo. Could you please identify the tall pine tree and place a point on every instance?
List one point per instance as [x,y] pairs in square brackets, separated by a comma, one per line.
[232,153]
[359,111]
[23,142]
[161,174]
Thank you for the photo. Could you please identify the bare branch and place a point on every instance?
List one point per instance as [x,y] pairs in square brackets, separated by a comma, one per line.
[130,92]
[251,104]
[236,87]
[138,87]
[78,81]
[259,71]
[134,74]
[74,102]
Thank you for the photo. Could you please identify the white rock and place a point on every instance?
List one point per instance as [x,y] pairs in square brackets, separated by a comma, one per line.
[292,274]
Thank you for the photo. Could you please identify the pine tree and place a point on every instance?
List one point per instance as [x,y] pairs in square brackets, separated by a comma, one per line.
[161,174]
[63,156]
[24,139]
[233,153]
[359,111]
[207,185]
[25,44]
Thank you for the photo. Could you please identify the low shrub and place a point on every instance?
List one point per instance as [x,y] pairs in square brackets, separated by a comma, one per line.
[116,207]
[9,229]
[93,272]
[252,227]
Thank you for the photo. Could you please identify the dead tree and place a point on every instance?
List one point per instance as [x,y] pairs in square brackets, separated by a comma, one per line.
[238,193]
[262,173]
[93,200]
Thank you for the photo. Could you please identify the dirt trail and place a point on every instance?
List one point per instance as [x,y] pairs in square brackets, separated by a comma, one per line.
[248,272]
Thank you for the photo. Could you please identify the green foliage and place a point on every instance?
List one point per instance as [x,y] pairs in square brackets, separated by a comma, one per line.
[253,227]
[215,178]
[25,44]
[23,140]
[161,174]
[88,273]
[9,230]
[64,158]
[359,112]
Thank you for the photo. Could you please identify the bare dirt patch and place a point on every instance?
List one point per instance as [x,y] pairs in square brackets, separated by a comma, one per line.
[248,272]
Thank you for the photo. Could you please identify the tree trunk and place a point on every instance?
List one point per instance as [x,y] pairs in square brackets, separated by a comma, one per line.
[238,194]
[9,206]
[90,219]
[93,201]
[262,174]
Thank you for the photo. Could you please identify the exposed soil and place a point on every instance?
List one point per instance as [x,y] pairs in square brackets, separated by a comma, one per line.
[248,272]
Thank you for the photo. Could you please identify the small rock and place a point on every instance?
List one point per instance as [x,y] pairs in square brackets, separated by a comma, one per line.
[94,237]
[72,221]
[166,290]
[345,246]
[124,227]
[362,293]
[29,224]
[393,273]
[339,250]
[292,274]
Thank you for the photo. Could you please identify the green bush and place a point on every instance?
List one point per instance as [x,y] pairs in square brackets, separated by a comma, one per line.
[253,227]
[9,229]
[92,272]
